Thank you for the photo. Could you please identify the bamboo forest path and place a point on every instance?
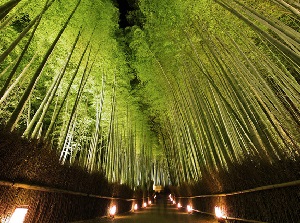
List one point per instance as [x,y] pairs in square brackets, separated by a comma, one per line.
[160,212]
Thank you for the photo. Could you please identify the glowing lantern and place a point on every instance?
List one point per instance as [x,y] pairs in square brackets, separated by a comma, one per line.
[145,204]
[179,205]
[135,207]
[172,199]
[18,216]
[112,211]
[219,213]
[189,209]
[149,202]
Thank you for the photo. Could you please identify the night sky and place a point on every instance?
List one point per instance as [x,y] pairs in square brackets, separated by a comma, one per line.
[124,7]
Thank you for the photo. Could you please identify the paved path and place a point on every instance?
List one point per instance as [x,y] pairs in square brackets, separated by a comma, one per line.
[162,212]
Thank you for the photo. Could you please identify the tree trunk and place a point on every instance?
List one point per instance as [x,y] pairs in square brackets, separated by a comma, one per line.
[74,108]
[110,138]
[18,110]
[48,98]
[3,23]
[7,7]
[6,84]
[55,115]
[8,67]
[295,58]
[91,159]
[277,24]
[21,75]
[24,32]
[288,7]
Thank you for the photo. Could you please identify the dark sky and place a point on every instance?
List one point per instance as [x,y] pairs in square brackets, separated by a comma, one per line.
[124,7]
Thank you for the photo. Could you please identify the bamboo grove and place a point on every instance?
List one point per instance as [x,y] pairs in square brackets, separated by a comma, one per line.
[183,91]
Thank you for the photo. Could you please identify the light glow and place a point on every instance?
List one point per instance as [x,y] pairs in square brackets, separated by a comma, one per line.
[174,202]
[18,216]
[145,204]
[219,213]
[179,205]
[113,210]
[154,196]
[189,208]
[135,207]
[149,202]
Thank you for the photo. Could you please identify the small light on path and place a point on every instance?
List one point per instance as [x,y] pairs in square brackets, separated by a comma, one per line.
[112,211]
[189,209]
[220,215]
[18,216]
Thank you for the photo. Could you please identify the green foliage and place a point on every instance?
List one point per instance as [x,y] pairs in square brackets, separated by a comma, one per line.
[20,22]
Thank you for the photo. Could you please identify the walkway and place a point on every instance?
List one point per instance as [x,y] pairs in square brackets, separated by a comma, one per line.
[162,212]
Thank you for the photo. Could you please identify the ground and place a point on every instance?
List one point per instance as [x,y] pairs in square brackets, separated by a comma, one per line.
[160,212]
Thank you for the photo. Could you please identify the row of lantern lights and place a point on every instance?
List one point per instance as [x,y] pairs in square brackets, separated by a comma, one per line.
[219,213]
[113,209]
[18,216]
